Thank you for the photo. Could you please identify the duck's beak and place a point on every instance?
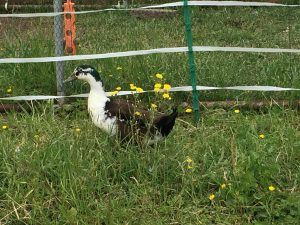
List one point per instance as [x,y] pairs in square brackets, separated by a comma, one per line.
[71,78]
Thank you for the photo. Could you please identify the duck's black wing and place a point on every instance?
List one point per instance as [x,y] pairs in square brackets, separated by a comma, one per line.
[125,110]
[129,124]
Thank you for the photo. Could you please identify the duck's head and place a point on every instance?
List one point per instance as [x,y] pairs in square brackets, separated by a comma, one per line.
[86,73]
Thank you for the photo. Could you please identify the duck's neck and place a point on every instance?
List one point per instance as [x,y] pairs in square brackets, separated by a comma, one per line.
[97,95]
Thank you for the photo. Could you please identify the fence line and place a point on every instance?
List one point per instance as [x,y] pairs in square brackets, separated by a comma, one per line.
[147,52]
[167,5]
[155,51]
[174,89]
[52,14]
[221,3]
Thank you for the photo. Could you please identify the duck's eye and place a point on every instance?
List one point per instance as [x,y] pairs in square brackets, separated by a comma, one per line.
[77,73]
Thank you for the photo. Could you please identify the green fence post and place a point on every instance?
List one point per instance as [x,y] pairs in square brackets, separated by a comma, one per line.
[192,65]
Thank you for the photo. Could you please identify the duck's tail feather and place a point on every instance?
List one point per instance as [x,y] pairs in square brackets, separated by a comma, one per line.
[166,122]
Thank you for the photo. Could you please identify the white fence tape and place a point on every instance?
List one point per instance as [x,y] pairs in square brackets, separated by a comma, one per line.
[147,52]
[174,89]
[31,15]
[174,4]
[219,3]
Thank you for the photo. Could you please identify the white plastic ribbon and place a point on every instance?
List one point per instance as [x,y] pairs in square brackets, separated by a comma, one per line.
[52,14]
[167,5]
[174,89]
[147,52]
[220,3]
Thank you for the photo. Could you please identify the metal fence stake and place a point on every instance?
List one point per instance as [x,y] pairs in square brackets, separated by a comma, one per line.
[59,49]
[192,65]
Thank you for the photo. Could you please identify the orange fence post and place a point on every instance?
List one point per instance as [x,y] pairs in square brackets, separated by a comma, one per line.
[69,30]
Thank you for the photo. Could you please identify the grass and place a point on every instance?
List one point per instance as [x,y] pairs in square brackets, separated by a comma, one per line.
[52,174]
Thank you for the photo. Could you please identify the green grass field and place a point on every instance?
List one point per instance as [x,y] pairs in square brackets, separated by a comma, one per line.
[53,174]
[230,168]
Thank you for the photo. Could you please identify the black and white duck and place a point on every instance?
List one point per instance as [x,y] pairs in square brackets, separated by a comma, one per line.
[120,117]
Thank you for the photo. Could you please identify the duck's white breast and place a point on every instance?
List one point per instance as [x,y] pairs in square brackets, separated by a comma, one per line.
[100,117]
[108,124]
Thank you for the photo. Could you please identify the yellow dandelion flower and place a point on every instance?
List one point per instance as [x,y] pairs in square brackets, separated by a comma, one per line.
[119,68]
[137,113]
[132,86]
[261,136]
[77,130]
[167,87]
[153,106]
[211,197]
[188,160]
[9,90]
[188,110]
[236,111]
[118,88]
[4,127]
[271,188]
[166,95]
[156,90]
[139,90]
[157,85]
[169,98]
[113,93]
[190,166]
[222,186]
[159,76]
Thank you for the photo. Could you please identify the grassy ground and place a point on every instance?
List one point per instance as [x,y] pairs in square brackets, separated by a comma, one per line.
[221,171]
[53,174]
